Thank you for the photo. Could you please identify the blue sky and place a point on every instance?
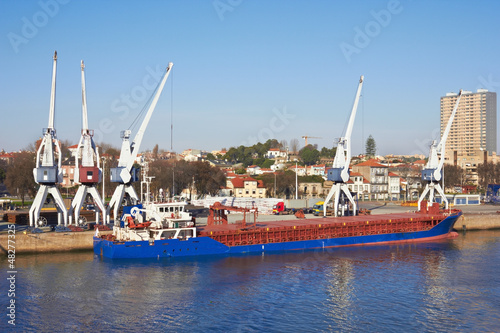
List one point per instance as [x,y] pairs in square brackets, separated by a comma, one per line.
[244,71]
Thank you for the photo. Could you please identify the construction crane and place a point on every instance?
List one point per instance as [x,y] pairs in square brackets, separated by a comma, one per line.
[125,173]
[339,173]
[309,137]
[47,171]
[432,173]
[88,173]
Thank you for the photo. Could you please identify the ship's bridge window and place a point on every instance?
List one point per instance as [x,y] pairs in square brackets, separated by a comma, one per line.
[161,209]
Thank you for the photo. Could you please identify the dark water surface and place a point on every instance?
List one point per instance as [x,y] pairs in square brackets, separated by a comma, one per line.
[446,286]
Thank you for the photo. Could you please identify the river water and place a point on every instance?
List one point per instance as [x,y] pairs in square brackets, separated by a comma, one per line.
[446,286]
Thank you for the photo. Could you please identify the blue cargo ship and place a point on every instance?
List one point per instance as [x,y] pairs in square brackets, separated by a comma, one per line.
[176,235]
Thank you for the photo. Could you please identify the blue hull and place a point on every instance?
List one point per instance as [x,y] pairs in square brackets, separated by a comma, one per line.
[207,246]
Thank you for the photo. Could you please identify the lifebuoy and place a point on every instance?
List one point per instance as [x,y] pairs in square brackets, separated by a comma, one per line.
[173,215]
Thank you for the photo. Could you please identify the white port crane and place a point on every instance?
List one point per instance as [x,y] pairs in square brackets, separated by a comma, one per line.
[88,174]
[432,173]
[125,173]
[339,173]
[47,171]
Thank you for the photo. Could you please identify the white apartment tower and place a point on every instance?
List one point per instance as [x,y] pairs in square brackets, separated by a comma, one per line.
[473,136]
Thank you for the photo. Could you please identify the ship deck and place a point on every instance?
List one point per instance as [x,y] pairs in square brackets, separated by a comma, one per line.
[324,222]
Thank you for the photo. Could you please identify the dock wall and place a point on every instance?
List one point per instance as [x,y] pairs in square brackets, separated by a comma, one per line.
[478,221]
[49,242]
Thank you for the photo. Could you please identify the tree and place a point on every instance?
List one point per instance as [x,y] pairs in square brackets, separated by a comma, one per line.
[488,173]
[453,175]
[207,179]
[3,170]
[294,146]
[267,163]
[155,152]
[371,146]
[19,177]
[284,182]
[210,157]
[330,153]
[309,155]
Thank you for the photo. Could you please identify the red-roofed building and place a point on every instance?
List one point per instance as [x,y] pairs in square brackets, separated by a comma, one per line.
[420,163]
[300,170]
[394,188]
[7,157]
[253,170]
[276,153]
[377,175]
[246,187]
[359,184]
[317,169]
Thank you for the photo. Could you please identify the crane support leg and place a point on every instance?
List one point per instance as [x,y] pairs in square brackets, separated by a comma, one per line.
[40,198]
[336,190]
[441,192]
[60,203]
[430,188]
[80,196]
[100,204]
[115,201]
[37,204]
[346,191]
[76,204]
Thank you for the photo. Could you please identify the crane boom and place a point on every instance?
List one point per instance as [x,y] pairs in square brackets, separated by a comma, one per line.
[85,122]
[136,144]
[353,111]
[442,144]
[53,95]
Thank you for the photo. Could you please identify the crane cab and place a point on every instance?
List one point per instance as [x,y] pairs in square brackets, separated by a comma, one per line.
[46,174]
[89,175]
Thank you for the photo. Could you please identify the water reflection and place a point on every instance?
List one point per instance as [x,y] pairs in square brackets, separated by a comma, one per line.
[452,285]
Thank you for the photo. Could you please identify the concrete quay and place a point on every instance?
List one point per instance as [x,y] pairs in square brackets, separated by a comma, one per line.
[474,218]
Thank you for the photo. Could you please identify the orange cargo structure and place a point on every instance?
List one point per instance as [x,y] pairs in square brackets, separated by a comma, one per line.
[217,215]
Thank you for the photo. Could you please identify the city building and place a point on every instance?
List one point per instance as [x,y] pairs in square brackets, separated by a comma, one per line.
[473,135]
[377,174]
[309,190]
[246,188]
[359,185]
